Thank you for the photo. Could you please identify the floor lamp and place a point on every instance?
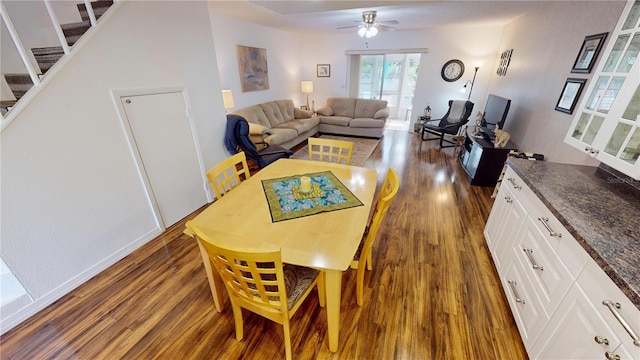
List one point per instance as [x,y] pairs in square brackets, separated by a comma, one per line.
[464,88]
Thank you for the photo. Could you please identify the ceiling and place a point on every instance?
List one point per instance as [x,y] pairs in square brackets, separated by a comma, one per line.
[318,15]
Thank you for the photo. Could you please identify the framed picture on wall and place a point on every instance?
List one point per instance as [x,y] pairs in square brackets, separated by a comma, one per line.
[252,63]
[570,94]
[588,53]
[324,70]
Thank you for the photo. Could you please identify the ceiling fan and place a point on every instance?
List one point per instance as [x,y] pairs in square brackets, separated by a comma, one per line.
[369,27]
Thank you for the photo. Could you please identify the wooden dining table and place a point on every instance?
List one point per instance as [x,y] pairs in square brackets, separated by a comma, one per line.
[326,241]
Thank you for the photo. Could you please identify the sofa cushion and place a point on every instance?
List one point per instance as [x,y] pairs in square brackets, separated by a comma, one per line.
[300,125]
[366,123]
[367,108]
[325,110]
[281,135]
[257,129]
[343,106]
[335,120]
[254,114]
[278,112]
[381,114]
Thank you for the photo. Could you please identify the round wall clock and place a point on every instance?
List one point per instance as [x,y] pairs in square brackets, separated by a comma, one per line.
[452,70]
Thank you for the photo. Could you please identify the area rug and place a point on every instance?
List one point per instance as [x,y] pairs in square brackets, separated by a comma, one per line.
[362,149]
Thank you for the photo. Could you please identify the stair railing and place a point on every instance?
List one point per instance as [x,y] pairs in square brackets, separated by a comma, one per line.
[57,27]
[31,69]
[18,43]
[92,15]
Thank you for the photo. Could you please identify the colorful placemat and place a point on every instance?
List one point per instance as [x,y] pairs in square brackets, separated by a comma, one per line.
[286,201]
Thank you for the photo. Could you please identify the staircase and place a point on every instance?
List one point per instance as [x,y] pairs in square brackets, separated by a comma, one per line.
[46,57]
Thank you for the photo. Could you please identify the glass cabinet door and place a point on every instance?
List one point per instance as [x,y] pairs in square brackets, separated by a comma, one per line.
[624,142]
[607,123]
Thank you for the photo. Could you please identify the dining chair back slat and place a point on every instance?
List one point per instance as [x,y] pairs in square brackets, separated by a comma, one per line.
[363,258]
[330,150]
[228,174]
[257,280]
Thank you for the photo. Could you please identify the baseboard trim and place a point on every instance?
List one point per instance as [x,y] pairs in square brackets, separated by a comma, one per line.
[9,322]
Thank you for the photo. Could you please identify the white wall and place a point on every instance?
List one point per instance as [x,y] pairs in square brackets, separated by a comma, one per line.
[72,201]
[545,44]
[471,45]
[283,60]
[293,57]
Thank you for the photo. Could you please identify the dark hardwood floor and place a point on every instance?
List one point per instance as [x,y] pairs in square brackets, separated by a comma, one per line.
[433,292]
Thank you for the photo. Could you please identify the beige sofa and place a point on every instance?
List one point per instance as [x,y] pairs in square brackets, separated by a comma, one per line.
[352,116]
[279,122]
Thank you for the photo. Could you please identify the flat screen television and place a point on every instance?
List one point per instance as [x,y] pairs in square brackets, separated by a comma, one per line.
[495,114]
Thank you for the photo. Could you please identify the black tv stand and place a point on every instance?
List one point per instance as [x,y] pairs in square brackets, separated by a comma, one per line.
[481,161]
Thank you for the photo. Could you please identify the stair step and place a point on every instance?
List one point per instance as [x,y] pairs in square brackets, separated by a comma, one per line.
[5,105]
[47,56]
[73,32]
[18,83]
[99,8]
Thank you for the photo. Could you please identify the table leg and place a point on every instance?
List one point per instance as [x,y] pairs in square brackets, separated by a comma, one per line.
[333,287]
[215,283]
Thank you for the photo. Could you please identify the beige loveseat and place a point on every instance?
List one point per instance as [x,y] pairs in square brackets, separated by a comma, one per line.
[352,116]
[279,122]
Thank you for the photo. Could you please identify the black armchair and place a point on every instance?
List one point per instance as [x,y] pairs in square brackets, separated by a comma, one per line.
[237,138]
[457,115]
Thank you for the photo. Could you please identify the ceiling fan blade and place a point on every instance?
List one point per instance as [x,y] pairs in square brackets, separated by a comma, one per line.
[384,27]
[390,22]
[348,27]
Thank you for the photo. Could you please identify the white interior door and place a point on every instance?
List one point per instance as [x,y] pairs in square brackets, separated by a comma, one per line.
[163,137]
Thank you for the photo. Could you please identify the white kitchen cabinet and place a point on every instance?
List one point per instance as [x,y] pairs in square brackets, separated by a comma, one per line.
[576,331]
[554,289]
[503,224]
[585,328]
[607,123]
[525,305]
[546,271]
[602,290]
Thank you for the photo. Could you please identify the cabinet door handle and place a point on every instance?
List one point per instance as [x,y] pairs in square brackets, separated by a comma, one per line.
[601,340]
[509,199]
[513,182]
[534,264]
[591,150]
[515,291]
[545,223]
[613,307]
[611,356]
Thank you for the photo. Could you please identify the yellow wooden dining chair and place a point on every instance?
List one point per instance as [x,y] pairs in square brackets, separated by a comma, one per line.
[257,280]
[363,256]
[330,150]
[228,173]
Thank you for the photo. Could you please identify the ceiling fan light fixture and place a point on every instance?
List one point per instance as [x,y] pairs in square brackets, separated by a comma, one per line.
[369,27]
[368,17]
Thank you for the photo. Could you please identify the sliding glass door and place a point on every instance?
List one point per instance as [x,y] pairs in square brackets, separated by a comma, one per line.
[390,77]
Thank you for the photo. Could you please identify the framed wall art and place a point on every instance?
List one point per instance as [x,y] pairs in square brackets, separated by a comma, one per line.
[505,60]
[252,65]
[570,94]
[323,70]
[588,54]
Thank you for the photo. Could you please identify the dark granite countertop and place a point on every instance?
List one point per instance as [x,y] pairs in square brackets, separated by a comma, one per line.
[600,210]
